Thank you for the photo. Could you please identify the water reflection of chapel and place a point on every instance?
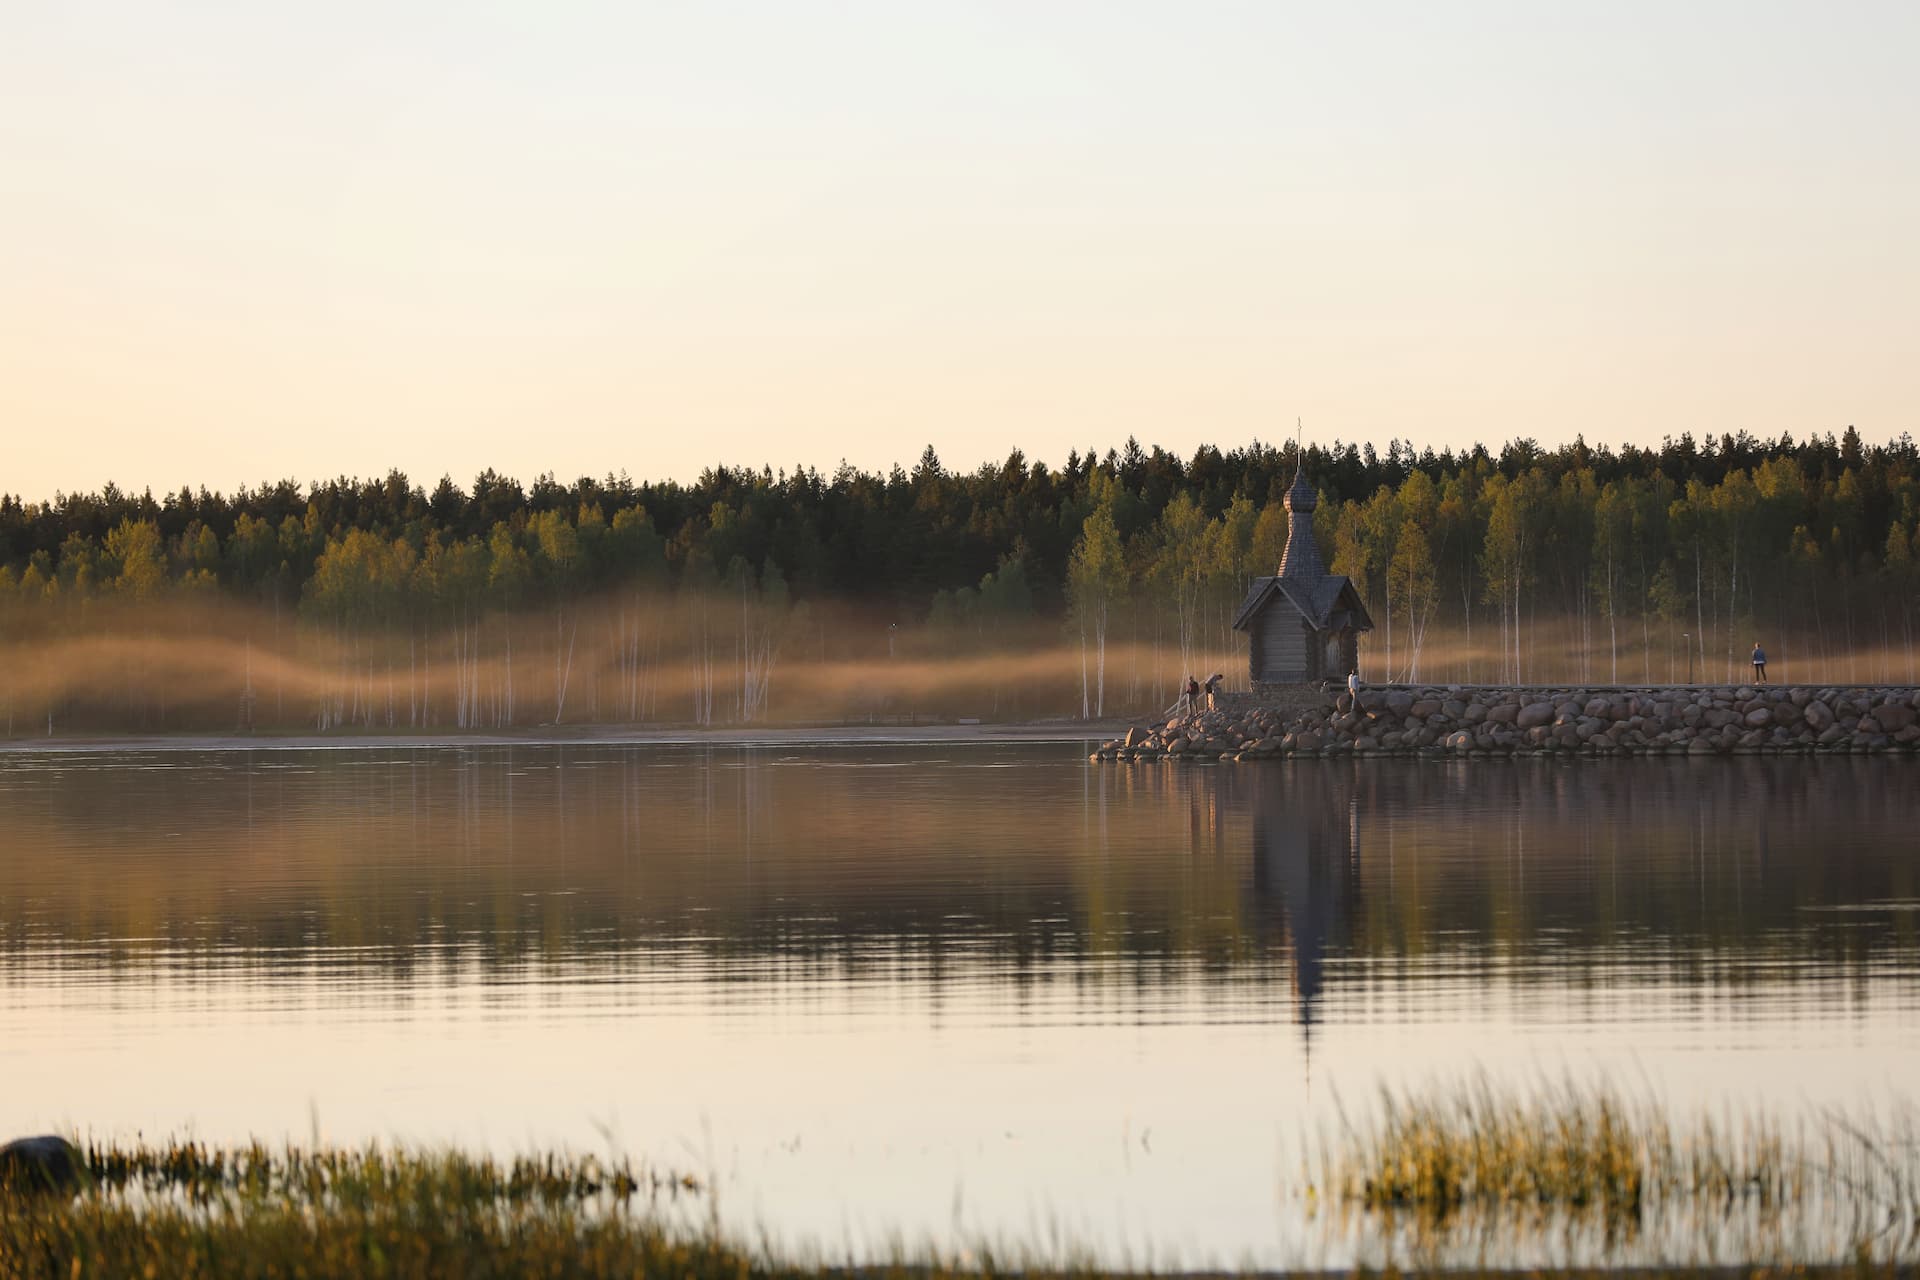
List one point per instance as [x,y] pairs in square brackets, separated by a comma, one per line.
[1306,872]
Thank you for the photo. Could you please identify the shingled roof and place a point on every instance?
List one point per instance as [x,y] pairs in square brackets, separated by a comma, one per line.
[1316,601]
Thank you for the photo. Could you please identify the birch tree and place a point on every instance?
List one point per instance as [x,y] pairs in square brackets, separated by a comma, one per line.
[1096,578]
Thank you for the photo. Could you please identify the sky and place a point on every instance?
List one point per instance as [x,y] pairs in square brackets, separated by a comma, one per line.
[241,241]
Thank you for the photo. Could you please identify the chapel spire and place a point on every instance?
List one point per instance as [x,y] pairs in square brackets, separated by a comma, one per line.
[1301,560]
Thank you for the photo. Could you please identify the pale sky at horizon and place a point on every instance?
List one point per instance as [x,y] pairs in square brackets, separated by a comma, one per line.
[240,242]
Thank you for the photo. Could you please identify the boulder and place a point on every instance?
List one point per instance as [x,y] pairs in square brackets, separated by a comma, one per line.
[1398,701]
[1503,713]
[1758,718]
[1894,716]
[1534,715]
[1474,713]
[45,1164]
[1820,716]
[1308,741]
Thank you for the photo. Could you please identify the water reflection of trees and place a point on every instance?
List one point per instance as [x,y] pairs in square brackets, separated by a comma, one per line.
[1020,867]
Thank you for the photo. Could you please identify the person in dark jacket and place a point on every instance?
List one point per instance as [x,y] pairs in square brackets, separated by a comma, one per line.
[1759,664]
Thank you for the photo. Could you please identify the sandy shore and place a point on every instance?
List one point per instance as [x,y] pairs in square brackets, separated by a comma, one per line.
[1040,731]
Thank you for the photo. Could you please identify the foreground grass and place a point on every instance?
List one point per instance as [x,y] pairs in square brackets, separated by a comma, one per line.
[1444,1161]
[1475,1158]
[188,1210]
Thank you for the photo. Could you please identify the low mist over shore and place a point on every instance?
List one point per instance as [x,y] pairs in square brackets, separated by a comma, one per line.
[1016,591]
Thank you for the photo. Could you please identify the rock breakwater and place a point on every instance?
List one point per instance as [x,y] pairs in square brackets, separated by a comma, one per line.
[1464,720]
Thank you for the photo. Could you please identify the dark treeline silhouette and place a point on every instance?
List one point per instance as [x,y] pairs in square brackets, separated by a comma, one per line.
[1580,562]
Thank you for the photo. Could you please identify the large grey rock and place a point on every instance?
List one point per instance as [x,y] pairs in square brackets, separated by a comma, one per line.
[1894,716]
[1398,701]
[1758,718]
[1534,715]
[42,1164]
[1819,716]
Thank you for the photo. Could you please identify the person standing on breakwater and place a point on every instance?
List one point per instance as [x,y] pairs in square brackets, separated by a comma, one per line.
[1190,696]
[1759,664]
[1353,688]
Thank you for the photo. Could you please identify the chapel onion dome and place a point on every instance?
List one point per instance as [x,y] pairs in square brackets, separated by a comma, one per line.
[1300,561]
[1300,497]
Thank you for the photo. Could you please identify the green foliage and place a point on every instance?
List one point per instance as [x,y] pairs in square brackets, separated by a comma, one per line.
[1006,593]
[1810,542]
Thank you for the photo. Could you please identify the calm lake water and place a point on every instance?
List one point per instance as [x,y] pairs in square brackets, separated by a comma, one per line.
[936,992]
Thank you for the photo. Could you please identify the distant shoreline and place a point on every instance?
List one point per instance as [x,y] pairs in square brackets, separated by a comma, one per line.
[824,735]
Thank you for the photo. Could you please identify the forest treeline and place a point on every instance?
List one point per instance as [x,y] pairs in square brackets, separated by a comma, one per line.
[1016,588]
